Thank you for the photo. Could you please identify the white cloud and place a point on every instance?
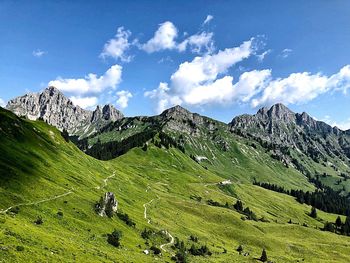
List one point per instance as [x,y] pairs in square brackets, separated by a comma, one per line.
[117,46]
[2,103]
[286,52]
[123,98]
[84,102]
[164,38]
[198,43]
[39,53]
[197,82]
[208,19]
[91,84]
[262,56]
[302,87]
[204,80]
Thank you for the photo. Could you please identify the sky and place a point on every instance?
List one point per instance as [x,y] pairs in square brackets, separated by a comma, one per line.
[218,58]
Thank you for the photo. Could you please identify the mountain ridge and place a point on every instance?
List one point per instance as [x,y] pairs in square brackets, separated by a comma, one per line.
[52,106]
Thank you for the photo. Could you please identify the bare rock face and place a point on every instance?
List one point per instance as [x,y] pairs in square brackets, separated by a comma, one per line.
[283,128]
[57,110]
[107,206]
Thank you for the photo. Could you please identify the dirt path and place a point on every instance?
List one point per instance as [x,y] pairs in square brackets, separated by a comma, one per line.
[169,243]
[104,184]
[105,181]
[145,211]
[149,222]
[36,202]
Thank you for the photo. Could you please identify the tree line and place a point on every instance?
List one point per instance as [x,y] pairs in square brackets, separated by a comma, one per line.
[324,198]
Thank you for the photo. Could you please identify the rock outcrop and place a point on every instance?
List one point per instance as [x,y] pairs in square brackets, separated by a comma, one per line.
[53,107]
[283,129]
[107,206]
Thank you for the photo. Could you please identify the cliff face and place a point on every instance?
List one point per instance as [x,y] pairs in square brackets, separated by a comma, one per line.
[57,110]
[282,127]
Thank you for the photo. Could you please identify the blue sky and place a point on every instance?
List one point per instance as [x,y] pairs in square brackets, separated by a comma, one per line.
[218,58]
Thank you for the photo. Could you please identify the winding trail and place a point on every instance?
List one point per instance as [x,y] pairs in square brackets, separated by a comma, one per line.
[145,211]
[104,184]
[36,202]
[172,240]
[169,243]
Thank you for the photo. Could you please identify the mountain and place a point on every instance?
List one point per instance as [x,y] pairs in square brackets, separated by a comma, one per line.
[296,139]
[49,190]
[54,108]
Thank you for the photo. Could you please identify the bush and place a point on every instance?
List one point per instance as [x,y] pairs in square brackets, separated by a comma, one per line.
[263,257]
[193,238]
[313,212]
[156,250]
[114,238]
[19,248]
[14,210]
[146,233]
[39,221]
[201,251]
[126,219]
[60,213]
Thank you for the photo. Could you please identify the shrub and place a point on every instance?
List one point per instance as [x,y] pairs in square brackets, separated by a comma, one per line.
[126,219]
[60,213]
[146,233]
[263,257]
[14,210]
[114,238]
[19,248]
[193,238]
[313,212]
[39,221]
[156,250]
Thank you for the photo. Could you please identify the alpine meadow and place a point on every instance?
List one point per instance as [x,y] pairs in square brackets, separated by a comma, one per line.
[210,132]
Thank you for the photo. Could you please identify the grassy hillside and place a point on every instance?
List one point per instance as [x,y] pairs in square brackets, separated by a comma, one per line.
[42,175]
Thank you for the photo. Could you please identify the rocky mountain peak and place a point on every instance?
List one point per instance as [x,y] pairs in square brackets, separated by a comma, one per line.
[109,112]
[281,112]
[176,111]
[53,107]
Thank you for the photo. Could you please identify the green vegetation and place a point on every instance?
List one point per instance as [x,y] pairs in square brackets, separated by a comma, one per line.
[42,175]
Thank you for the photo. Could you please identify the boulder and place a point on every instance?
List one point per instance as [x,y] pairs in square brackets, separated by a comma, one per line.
[107,206]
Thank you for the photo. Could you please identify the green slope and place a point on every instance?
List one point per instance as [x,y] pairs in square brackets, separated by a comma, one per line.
[38,165]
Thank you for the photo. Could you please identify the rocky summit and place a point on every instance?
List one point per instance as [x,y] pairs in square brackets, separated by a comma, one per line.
[57,110]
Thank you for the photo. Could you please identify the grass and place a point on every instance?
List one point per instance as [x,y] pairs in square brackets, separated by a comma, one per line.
[36,163]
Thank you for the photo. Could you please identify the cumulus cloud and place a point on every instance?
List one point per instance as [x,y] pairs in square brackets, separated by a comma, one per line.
[2,103]
[204,80]
[198,82]
[123,97]
[198,43]
[84,102]
[117,46]
[208,19]
[165,38]
[302,87]
[91,84]
[39,53]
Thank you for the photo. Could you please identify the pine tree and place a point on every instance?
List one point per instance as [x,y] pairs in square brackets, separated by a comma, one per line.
[313,212]
[238,205]
[338,222]
[263,257]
